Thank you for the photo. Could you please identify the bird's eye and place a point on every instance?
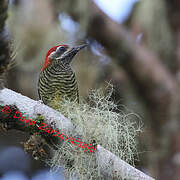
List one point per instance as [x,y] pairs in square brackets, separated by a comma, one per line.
[61,49]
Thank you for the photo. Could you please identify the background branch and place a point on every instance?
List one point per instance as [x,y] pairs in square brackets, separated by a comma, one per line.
[4,39]
[151,78]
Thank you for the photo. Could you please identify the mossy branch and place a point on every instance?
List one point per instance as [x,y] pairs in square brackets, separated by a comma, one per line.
[31,108]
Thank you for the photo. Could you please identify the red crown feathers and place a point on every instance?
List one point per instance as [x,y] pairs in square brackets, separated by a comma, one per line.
[47,59]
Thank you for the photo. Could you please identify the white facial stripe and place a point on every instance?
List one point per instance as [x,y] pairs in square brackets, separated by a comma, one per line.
[52,55]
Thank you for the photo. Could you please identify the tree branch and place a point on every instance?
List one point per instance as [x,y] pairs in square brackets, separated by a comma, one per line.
[150,76]
[107,161]
[4,40]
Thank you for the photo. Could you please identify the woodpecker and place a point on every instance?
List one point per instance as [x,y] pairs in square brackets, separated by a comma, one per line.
[57,77]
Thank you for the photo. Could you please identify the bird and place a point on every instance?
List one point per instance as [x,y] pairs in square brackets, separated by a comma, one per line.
[57,79]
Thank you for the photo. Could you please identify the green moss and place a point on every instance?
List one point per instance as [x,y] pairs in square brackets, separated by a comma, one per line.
[100,123]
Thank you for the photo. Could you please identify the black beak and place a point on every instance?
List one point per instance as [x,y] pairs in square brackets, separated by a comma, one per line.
[73,51]
[77,48]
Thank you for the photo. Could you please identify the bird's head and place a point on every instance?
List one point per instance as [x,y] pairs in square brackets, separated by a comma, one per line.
[61,54]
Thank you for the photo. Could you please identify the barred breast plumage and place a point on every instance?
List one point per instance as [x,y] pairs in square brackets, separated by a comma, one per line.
[58,81]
